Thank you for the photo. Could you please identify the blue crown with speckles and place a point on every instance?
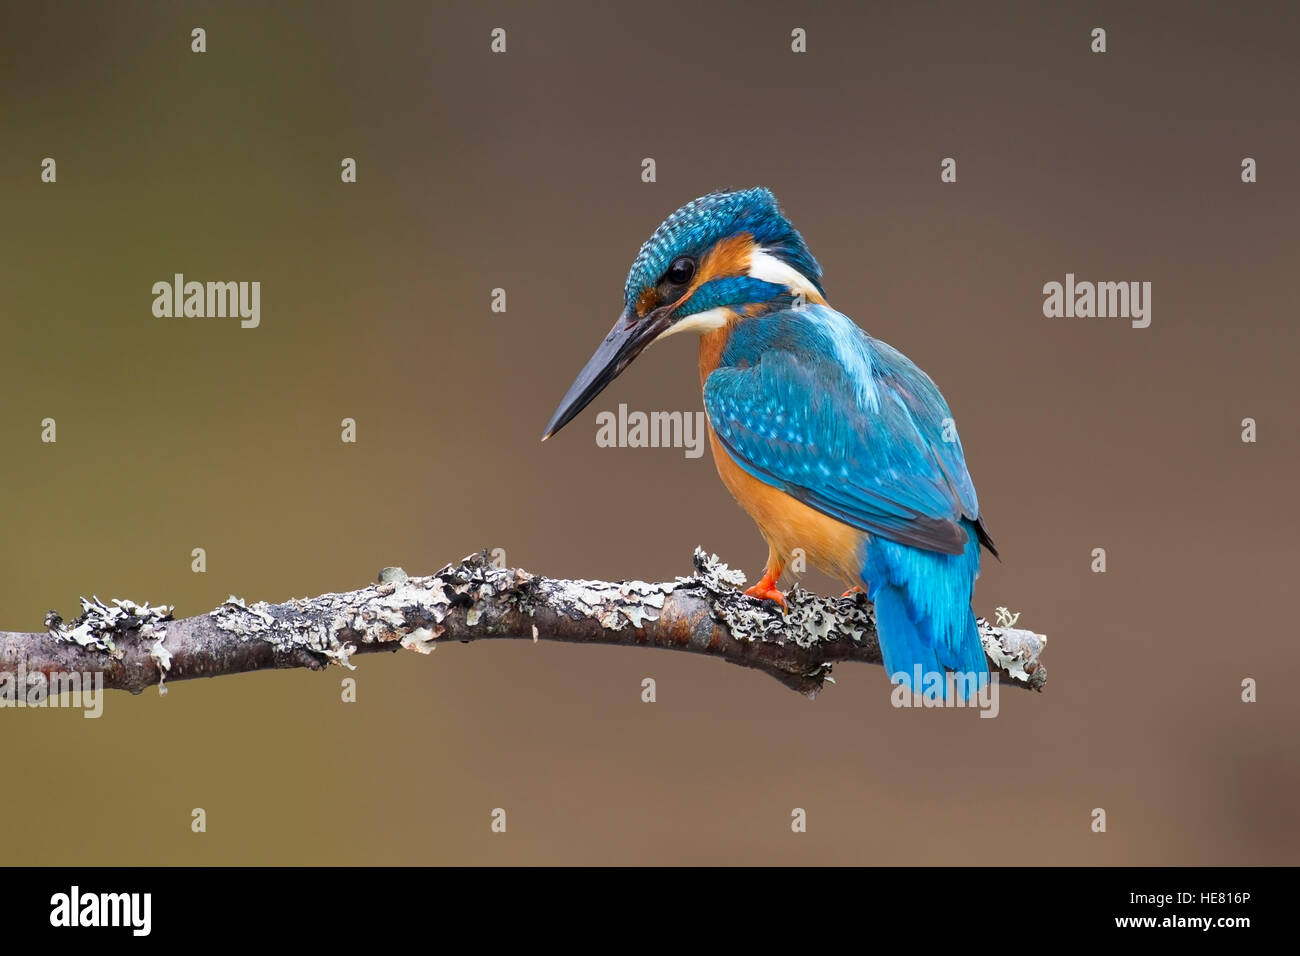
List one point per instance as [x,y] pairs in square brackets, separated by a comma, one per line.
[703,222]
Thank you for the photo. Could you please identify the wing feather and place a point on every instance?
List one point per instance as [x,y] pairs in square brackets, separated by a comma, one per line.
[879,454]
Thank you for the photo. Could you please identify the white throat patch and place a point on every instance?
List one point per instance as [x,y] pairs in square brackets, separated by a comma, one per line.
[701,322]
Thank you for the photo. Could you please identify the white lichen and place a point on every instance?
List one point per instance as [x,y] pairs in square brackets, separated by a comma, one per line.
[423,640]
[1011,648]
[713,573]
[615,604]
[100,627]
[257,622]
[806,620]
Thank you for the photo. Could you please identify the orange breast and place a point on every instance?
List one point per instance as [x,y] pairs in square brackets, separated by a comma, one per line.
[787,524]
[784,522]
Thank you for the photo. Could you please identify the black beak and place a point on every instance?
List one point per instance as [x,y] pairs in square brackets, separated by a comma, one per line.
[625,341]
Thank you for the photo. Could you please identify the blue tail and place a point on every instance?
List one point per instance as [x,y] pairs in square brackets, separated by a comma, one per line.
[923,614]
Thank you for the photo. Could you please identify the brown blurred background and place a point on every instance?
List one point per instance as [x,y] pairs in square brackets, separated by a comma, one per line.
[522,171]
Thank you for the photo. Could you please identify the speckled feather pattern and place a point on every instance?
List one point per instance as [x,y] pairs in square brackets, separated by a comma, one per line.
[808,402]
[701,223]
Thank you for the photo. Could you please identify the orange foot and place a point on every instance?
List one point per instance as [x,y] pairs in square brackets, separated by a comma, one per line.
[765,590]
[852,591]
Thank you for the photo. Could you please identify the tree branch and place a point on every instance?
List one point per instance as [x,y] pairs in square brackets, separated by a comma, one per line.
[136,646]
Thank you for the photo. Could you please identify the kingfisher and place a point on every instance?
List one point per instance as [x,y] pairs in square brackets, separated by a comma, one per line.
[834,442]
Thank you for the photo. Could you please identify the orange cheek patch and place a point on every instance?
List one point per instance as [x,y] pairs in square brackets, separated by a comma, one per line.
[730,257]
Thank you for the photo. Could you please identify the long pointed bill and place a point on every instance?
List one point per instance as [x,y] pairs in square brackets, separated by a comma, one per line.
[625,341]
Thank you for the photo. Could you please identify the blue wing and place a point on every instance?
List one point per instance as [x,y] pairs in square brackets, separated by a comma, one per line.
[809,403]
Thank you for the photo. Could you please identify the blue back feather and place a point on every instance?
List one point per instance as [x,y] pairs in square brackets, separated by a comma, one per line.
[807,402]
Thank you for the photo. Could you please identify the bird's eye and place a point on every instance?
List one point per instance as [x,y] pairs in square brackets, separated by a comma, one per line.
[681,271]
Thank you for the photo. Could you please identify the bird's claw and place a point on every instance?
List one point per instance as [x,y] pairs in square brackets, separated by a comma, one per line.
[766,590]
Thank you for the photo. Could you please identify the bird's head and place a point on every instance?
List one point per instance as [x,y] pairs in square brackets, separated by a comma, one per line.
[723,256]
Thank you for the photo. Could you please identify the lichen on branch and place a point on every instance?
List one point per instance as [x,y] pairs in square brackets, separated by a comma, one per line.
[136,646]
